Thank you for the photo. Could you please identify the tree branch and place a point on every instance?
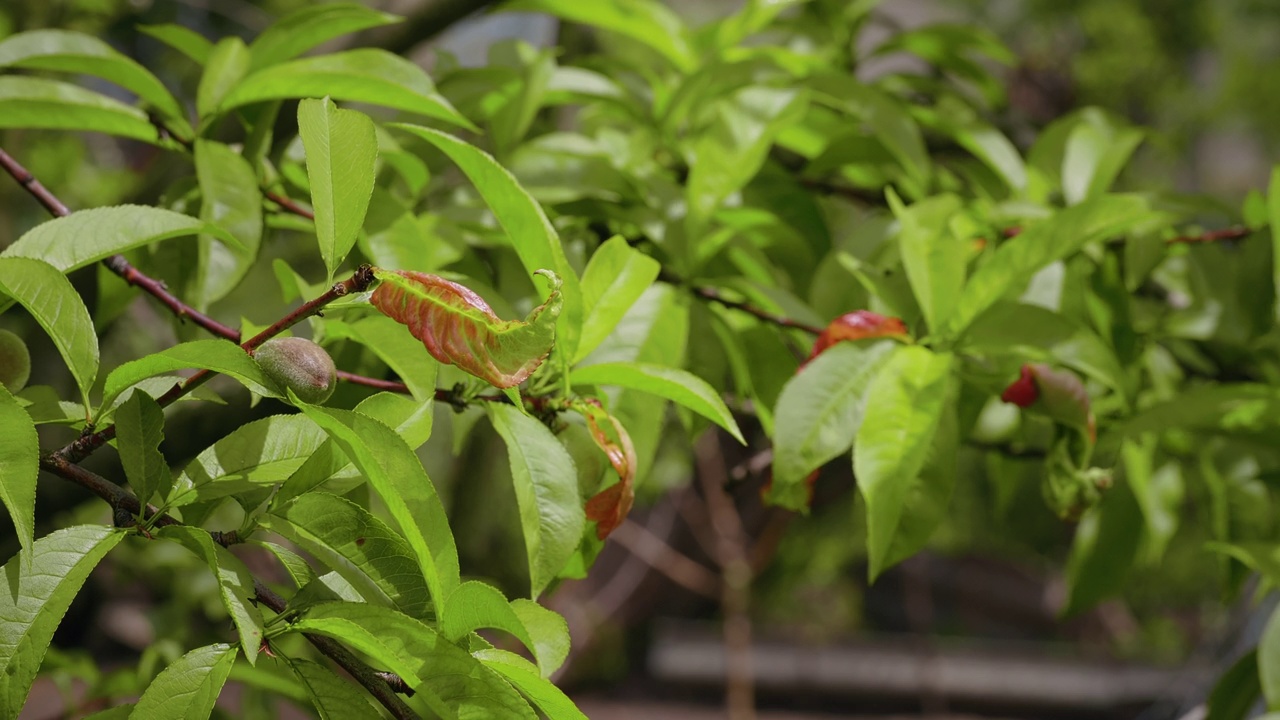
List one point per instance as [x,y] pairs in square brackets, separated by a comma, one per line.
[116,263]
[378,683]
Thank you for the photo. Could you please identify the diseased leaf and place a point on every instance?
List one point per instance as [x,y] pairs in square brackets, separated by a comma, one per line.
[368,75]
[365,551]
[55,304]
[342,151]
[546,487]
[458,327]
[32,102]
[87,236]
[524,676]
[216,355]
[609,507]
[19,466]
[230,199]
[255,455]
[334,698]
[452,682]
[818,415]
[399,479]
[39,584]
[679,386]
[139,432]
[312,25]
[857,325]
[616,277]
[73,52]
[905,406]
[531,234]
[189,687]
[235,583]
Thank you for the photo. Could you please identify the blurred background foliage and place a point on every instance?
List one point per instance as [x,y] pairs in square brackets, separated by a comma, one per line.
[1191,70]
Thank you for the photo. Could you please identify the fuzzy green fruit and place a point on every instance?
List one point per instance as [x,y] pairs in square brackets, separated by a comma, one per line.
[299,365]
[15,362]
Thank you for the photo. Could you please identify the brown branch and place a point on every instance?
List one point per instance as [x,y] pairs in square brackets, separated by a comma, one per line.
[84,445]
[1231,233]
[288,203]
[116,263]
[379,684]
[659,555]
[712,294]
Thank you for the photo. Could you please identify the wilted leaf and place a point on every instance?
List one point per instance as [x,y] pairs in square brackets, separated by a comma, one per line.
[858,325]
[458,328]
[609,507]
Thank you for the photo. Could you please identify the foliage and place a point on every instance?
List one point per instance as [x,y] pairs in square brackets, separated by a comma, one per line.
[862,267]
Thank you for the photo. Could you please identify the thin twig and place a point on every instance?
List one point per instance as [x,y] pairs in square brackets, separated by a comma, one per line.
[379,684]
[288,203]
[714,295]
[116,263]
[659,555]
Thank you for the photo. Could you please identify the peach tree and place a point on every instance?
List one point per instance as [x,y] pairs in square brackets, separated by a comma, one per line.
[665,234]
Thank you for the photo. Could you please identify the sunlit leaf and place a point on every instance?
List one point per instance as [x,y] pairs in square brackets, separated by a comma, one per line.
[189,687]
[679,386]
[475,605]
[139,432]
[312,25]
[235,583]
[341,152]
[19,466]
[216,355]
[39,584]
[55,304]
[32,102]
[646,21]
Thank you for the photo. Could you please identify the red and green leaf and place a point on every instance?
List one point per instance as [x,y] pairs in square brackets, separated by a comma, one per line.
[858,325]
[458,328]
[609,507]
[1059,394]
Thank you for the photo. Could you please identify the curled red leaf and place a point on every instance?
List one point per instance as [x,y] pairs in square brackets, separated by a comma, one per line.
[1023,391]
[457,326]
[858,325]
[609,507]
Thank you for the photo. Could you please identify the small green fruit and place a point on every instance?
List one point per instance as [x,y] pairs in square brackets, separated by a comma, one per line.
[15,362]
[299,365]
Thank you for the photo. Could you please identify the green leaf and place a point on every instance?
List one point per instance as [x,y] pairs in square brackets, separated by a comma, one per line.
[475,605]
[1269,661]
[341,153]
[885,115]
[40,583]
[180,38]
[73,52]
[227,66]
[1096,150]
[368,75]
[729,153]
[905,408]
[1263,557]
[235,583]
[818,414]
[55,304]
[526,225]
[616,277]
[1235,407]
[254,455]
[1273,215]
[230,199]
[309,26]
[546,486]
[1107,540]
[87,236]
[32,102]
[139,432]
[1237,690]
[646,21]
[932,255]
[334,698]
[397,475]
[679,386]
[365,551]
[524,676]
[119,712]
[19,466]
[189,687]
[396,346]
[459,328]
[1044,242]
[217,355]
[453,683]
